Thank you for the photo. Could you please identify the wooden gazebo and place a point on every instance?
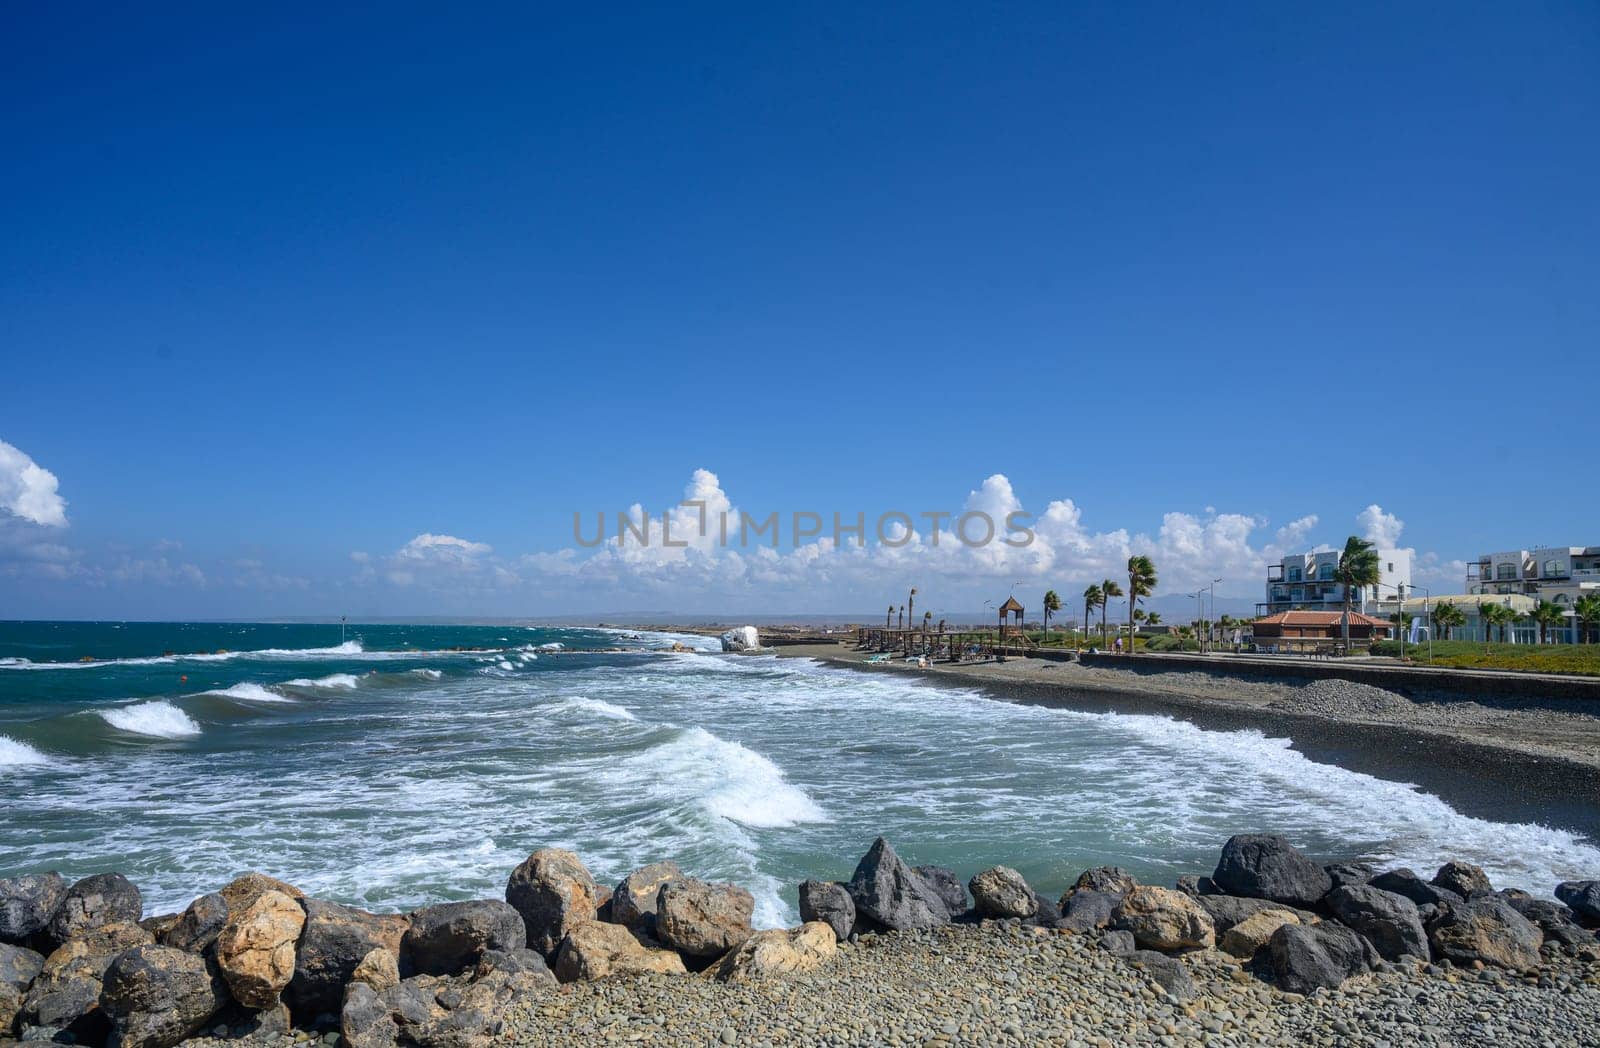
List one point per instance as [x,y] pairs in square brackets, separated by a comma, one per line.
[1010,607]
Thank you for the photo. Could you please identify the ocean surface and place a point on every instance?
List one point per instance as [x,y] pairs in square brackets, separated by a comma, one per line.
[394,769]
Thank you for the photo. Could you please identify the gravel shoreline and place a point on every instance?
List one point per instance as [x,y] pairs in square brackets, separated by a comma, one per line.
[1002,984]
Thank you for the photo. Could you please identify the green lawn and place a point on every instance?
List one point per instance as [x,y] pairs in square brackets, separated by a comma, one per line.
[1581,659]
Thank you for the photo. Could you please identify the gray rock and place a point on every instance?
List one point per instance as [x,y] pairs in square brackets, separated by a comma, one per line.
[93,903]
[634,901]
[428,1011]
[452,936]
[703,920]
[1305,958]
[523,962]
[18,968]
[947,886]
[1087,910]
[1229,910]
[1191,884]
[156,996]
[1582,896]
[197,926]
[1462,878]
[1267,866]
[1485,929]
[1343,873]
[1118,942]
[553,891]
[365,1020]
[1171,974]
[1001,892]
[891,895]
[65,995]
[1111,879]
[27,904]
[1405,882]
[1389,921]
[334,941]
[830,903]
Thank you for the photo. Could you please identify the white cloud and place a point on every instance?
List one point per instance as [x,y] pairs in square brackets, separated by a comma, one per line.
[443,549]
[28,491]
[1380,528]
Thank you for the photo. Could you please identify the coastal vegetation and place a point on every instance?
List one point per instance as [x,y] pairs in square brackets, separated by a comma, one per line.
[1358,567]
[1581,659]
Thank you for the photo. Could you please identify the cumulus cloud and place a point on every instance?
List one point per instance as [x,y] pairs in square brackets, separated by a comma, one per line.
[1379,527]
[28,490]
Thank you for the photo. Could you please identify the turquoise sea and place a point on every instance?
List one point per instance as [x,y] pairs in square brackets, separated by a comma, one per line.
[411,764]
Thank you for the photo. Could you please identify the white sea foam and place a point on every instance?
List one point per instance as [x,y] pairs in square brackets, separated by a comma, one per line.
[160,719]
[343,681]
[598,707]
[554,645]
[730,781]
[16,754]
[427,674]
[349,649]
[248,691]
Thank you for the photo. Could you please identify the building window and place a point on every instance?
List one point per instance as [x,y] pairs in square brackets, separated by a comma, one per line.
[1552,569]
[1561,598]
[1505,571]
[1294,574]
[1391,567]
[1325,573]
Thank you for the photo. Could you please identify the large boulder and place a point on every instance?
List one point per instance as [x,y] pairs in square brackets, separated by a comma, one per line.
[256,948]
[27,904]
[741,638]
[1169,973]
[703,920]
[431,1011]
[1485,929]
[947,886]
[1001,892]
[553,892]
[198,926]
[890,895]
[1305,958]
[1086,910]
[594,950]
[248,887]
[1247,937]
[157,996]
[1389,921]
[1228,910]
[1266,866]
[1582,896]
[1404,881]
[1462,878]
[634,901]
[66,993]
[779,952]
[335,940]
[451,937]
[93,903]
[1164,919]
[1342,873]
[18,968]
[830,903]
[379,969]
[1111,879]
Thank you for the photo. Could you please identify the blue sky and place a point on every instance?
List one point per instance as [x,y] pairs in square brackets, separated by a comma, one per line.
[279,289]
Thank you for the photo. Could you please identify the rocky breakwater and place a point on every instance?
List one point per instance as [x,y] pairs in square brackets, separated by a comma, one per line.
[1269,929]
[257,959]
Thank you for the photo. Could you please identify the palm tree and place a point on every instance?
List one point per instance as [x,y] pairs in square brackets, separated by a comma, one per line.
[1587,609]
[911,606]
[1052,602]
[1446,617]
[1358,566]
[902,616]
[889,617]
[1093,597]
[1152,618]
[1547,616]
[1108,589]
[1489,615]
[1141,583]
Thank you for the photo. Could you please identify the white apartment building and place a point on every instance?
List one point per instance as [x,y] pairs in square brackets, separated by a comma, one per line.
[1305,582]
[1558,574]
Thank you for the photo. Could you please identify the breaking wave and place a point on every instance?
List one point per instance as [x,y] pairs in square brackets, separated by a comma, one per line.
[159,719]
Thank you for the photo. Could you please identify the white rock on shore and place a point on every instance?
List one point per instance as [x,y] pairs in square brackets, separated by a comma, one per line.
[741,638]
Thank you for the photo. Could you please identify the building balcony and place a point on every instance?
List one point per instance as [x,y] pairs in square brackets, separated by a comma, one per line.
[1275,573]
